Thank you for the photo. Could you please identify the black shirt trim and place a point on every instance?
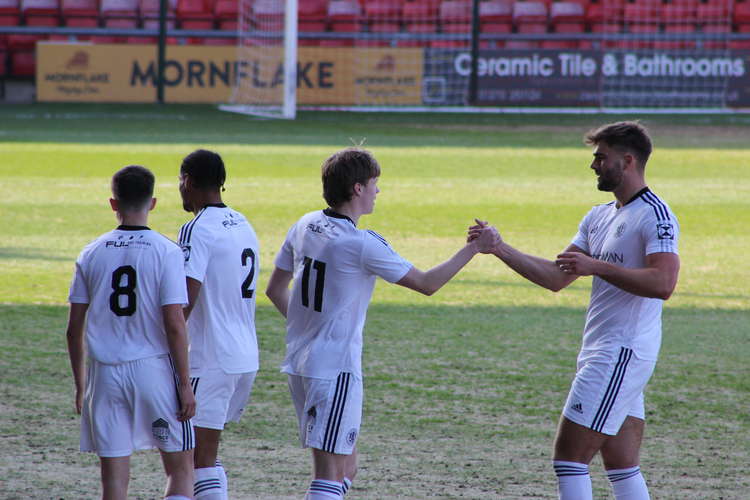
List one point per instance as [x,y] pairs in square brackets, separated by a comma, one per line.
[330,213]
[638,194]
[217,205]
[133,228]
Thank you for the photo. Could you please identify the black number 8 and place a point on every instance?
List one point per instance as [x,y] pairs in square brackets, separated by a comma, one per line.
[128,290]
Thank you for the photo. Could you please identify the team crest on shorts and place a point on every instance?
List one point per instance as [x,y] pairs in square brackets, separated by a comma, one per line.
[351,437]
[160,429]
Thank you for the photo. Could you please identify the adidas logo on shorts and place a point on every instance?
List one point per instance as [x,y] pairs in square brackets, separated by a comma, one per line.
[577,407]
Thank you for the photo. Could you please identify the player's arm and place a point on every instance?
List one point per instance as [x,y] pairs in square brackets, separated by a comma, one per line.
[538,270]
[193,290]
[278,289]
[657,279]
[429,282]
[77,349]
[543,272]
[174,325]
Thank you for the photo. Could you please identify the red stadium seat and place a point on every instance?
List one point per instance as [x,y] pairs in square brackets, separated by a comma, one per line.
[150,10]
[529,12]
[41,12]
[495,11]
[10,13]
[194,15]
[119,13]
[383,10]
[678,13]
[80,13]
[642,13]
[226,13]
[311,16]
[566,12]
[606,28]
[343,17]
[23,42]
[714,11]
[419,12]
[741,13]
[499,27]
[521,44]
[455,11]
[22,63]
[560,44]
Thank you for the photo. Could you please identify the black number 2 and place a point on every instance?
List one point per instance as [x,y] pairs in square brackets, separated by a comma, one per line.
[247,292]
[127,290]
[320,268]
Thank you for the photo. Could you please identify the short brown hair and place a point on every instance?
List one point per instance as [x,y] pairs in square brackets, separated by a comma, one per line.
[628,136]
[345,168]
[132,187]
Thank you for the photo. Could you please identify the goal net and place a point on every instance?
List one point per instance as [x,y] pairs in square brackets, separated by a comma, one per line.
[266,66]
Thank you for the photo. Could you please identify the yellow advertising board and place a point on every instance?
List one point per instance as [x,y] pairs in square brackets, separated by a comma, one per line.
[81,72]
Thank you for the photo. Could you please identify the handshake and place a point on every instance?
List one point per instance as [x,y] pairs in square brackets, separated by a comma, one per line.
[485,237]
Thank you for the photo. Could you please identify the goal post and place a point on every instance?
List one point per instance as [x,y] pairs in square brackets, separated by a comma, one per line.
[265,82]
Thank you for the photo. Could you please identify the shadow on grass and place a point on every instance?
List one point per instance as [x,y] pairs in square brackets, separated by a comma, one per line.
[205,124]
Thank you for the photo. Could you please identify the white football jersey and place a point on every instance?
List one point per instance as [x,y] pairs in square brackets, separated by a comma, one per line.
[221,251]
[126,276]
[624,237]
[334,266]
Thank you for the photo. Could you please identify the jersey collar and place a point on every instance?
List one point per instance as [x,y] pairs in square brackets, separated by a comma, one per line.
[123,227]
[330,213]
[215,205]
[638,194]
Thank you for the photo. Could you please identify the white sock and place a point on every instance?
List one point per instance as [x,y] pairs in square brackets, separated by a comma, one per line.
[223,479]
[573,480]
[345,487]
[628,484]
[322,489]
[176,497]
[207,484]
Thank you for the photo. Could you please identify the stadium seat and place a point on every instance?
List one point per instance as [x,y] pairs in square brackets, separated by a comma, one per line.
[419,12]
[10,13]
[119,13]
[566,12]
[676,13]
[495,11]
[150,10]
[311,16]
[714,11]
[22,63]
[387,12]
[642,12]
[226,13]
[41,12]
[268,15]
[194,15]
[455,11]
[80,13]
[741,13]
[344,16]
[521,44]
[559,44]
[530,17]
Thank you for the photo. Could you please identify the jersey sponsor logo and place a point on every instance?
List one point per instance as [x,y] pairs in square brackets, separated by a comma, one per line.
[314,228]
[160,430]
[665,231]
[620,230]
[121,242]
[186,252]
[593,230]
[610,257]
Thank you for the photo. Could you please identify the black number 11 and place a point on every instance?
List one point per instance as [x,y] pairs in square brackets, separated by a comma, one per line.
[320,275]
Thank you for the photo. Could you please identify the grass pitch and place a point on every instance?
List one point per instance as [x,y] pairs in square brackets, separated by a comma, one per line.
[463,389]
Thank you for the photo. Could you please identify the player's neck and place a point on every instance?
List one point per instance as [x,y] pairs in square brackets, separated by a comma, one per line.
[348,210]
[133,218]
[206,199]
[625,191]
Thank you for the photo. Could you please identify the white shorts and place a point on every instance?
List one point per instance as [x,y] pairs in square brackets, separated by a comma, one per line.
[329,411]
[133,406]
[607,389]
[221,397]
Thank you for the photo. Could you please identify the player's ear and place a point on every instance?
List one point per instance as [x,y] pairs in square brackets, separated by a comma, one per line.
[113,204]
[357,188]
[152,204]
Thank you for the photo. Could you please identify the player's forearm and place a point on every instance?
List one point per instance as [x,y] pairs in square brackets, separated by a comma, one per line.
[540,271]
[644,282]
[280,299]
[76,352]
[174,325]
[434,279]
